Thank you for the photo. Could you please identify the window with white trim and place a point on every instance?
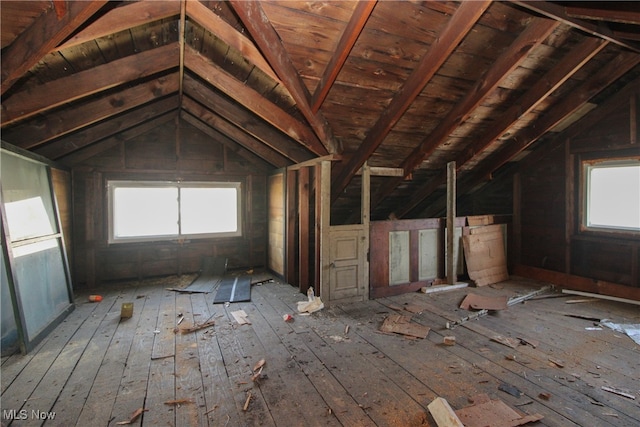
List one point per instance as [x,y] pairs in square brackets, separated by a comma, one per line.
[611,195]
[165,210]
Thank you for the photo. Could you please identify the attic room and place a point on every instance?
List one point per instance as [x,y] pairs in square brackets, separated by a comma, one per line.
[343,213]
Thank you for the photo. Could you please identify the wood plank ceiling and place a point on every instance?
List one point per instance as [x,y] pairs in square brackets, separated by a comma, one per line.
[398,84]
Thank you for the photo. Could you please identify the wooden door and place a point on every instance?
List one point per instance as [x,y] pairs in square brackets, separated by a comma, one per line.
[348,268]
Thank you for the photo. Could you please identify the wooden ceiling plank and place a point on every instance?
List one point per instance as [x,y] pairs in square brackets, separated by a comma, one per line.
[234,133]
[32,134]
[579,96]
[213,23]
[85,153]
[40,38]
[558,13]
[130,15]
[66,145]
[544,87]
[535,33]
[268,40]
[605,14]
[244,119]
[458,26]
[52,94]
[349,37]
[252,100]
[222,139]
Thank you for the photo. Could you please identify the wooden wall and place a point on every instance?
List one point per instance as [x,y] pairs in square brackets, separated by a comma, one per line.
[168,152]
[549,198]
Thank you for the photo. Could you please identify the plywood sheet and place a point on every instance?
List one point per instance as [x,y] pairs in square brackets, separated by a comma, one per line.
[480,302]
[485,255]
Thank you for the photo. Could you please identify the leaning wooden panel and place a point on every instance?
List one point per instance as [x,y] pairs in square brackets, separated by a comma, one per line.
[485,255]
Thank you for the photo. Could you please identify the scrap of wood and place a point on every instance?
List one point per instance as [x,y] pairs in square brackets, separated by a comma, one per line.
[133,417]
[246,403]
[509,342]
[485,255]
[618,392]
[255,376]
[414,308]
[178,402]
[241,317]
[480,302]
[400,324]
[197,327]
[607,297]
[580,300]
[557,362]
[529,341]
[510,389]
[442,288]
[494,413]
[443,414]
[187,291]
[259,365]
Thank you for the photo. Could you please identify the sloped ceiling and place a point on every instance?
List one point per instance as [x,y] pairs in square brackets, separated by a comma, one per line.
[405,86]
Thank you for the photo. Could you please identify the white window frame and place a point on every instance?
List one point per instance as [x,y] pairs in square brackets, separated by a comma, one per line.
[112,185]
[587,167]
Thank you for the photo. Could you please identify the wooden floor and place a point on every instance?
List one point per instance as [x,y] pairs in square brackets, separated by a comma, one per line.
[332,368]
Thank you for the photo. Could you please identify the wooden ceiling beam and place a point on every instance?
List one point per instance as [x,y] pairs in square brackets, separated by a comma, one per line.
[535,33]
[92,134]
[348,39]
[559,13]
[543,87]
[579,96]
[34,133]
[234,133]
[46,32]
[458,26]
[224,140]
[608,13]
[46,96]
[252,100]
[83,154]
[257,23]
[129,15]
[245,120]
[211,22]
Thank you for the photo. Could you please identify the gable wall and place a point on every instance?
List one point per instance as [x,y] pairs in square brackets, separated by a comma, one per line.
[165,153]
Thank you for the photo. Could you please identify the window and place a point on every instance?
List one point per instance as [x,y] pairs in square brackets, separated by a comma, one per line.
[612,195]
[153,210]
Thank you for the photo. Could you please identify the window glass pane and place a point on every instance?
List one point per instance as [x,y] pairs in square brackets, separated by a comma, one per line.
[614,197]
[27,198]
[139,212]
[42,283]
[209,210]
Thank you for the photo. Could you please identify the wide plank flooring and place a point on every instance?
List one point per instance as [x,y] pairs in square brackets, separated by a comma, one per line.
[331,368]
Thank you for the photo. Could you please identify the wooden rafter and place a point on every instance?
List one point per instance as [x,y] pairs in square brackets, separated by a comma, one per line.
[610,14]
[68,144]
[85,153]
[251,99]
[225,32]
[579,96]
[130,15]
[544,87]
[535,33]
[245,120]
[47,32]
[258,25]
[558,13]
[234,133]
[32,134]
[46,96]
[459,25]
[349,37]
